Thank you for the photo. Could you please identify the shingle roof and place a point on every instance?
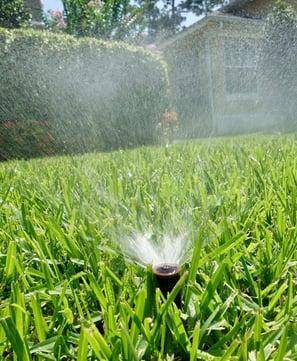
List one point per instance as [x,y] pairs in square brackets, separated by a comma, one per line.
[200,24]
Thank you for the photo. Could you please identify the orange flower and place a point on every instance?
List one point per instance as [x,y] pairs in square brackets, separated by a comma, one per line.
[169,118]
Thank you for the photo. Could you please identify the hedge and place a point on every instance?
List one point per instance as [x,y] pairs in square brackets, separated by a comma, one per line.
[91,94]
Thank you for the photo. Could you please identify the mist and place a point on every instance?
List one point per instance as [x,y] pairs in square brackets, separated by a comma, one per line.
[233,76]
[223,76]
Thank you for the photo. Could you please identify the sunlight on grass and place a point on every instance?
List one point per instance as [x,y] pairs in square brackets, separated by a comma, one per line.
[63,295]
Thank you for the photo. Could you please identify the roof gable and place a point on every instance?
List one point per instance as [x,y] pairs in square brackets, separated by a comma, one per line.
[202,25]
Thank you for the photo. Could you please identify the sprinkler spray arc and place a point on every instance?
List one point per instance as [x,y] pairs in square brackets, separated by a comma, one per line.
[163,259]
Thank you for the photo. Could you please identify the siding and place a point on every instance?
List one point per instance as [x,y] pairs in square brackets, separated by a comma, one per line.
[188,72]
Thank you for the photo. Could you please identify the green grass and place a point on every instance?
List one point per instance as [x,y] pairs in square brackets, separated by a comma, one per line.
[63,296]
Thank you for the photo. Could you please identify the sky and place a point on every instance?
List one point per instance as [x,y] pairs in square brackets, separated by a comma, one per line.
[57,5]
[52,5]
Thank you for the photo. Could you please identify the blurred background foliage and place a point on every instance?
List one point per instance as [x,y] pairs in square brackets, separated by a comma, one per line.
[13,14]
[86,94]
[75,94]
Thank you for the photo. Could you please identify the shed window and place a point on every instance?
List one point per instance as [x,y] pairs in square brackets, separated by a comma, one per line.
[240,61]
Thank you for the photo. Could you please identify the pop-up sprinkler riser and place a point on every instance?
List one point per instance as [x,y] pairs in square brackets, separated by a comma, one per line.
[167,275]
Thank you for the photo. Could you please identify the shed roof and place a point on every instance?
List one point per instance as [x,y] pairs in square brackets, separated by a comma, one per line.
[202,23]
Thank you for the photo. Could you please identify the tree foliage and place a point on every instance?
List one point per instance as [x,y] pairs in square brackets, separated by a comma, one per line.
[140,21]
[161,19]
[199,7]
[13,14]
[109,19]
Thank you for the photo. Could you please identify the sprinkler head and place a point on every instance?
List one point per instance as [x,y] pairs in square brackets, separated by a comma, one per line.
[167,275]
[167,271]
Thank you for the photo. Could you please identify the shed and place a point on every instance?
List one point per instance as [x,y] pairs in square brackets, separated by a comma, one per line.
[214,68]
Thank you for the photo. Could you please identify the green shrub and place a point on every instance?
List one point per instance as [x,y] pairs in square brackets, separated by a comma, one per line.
[94,95]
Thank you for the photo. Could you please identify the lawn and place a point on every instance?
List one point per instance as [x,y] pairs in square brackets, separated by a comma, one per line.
[65,294]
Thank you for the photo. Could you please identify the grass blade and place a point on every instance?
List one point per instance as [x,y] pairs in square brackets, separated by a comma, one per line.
[19,345]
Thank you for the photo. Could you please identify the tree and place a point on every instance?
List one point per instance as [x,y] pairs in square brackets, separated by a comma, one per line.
[13,14]
[109,19]
[161,19]
[140,21]
[199,7]
[279,59]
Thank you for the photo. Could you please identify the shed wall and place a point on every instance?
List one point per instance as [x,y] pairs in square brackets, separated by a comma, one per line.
[190,88]
[241,109]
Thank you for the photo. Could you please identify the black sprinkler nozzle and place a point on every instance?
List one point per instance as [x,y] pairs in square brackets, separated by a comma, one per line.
[167,275]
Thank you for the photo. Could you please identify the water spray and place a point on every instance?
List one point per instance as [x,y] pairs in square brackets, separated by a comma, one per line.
[164,258]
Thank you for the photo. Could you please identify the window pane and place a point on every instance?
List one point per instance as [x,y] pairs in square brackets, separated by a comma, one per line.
[240,59]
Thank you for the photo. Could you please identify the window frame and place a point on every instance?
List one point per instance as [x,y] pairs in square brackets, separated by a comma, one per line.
[240,95]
